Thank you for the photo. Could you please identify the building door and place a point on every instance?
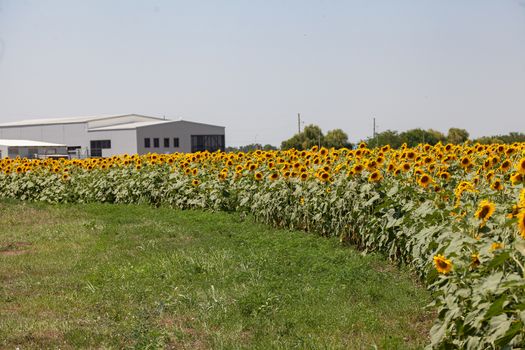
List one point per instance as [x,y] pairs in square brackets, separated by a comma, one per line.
[209,143]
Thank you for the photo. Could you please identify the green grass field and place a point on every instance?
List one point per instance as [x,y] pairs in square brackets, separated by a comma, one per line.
[113,276]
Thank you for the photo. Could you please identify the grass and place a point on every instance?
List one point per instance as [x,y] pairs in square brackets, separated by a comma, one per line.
[114,276]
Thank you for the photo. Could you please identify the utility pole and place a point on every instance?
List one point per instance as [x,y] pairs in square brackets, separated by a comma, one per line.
[299,122]
[374,132]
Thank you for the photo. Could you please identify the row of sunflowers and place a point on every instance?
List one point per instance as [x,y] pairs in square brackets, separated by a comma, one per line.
[453,213]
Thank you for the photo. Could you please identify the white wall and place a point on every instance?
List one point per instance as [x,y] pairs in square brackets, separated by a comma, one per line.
[68,134]
[3,151]
[122,141]
[181,129]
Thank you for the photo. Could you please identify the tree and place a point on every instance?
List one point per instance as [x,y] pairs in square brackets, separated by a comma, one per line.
[388,137]
[437,136]
[336,138]
[269,147]
[310,136]
[251,147]
[414,137]
[510,138]
[457,136]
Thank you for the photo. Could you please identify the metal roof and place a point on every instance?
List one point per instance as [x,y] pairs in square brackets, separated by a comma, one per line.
[70,120]
[129,126]
[28,143]
[135,125]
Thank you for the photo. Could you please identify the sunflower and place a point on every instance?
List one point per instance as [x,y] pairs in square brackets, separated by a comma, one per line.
[375,176]
[443,265]
[358,168]
[424,180]
[466,162]
[65,176]
[496,245]
[195,182]
[324,176]
[485,210]
[474,260]
[505,166]
[520,167]
[273,176]
[516,178]
[444,175]
[258,176]
[521,223]
[303,176]
[497,185]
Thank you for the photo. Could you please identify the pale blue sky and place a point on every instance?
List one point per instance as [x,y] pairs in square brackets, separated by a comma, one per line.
[253,65]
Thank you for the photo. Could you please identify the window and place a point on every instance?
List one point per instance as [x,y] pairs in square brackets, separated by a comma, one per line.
[210,143]
[156,143]
[147,143]
[98,145]
[166,142]
[96,152]
[175,142]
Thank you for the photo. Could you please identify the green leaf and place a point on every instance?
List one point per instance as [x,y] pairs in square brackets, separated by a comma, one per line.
[492,282]
[496,308]
[498,260]
[498,327]
[392,191]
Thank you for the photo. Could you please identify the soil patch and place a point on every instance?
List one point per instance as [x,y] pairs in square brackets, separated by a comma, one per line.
[14,248]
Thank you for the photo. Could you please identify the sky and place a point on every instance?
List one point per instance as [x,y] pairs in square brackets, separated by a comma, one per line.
[251,66]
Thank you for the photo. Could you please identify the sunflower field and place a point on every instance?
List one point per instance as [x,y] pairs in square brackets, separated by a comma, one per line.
[454,213]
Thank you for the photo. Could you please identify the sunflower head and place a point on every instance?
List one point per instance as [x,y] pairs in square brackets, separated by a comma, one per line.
[497,185]
[485,210]
[324,176]
[520,167]
[466,162]
[375,176]
[442,264]
[424,180]
[474,260]
[496,245]
[516,178]
[444,175]
[358,168]
[505,166]
[521,223]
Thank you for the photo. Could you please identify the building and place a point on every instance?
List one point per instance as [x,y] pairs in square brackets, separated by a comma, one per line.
[105,136]
[31,149]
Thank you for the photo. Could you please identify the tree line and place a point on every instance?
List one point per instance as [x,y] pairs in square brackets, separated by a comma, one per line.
[312,135]
[414,137]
